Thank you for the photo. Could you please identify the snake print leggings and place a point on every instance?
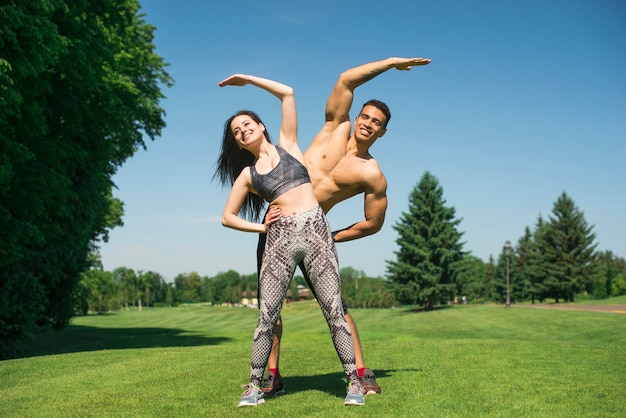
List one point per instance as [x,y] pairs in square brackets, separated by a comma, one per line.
[304,237]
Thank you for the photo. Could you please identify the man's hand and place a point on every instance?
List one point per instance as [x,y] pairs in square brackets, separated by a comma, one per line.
[407,63]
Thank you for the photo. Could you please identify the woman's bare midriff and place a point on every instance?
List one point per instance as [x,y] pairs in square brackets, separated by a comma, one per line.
[297,200]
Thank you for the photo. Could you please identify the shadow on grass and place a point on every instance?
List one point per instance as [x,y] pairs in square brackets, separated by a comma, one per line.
[421,309]
[76,338]
[331,383]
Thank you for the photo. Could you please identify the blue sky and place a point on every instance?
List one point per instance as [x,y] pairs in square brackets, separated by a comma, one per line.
[522,100]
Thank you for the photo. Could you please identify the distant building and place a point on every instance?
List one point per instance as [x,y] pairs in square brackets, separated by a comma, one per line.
[304,293]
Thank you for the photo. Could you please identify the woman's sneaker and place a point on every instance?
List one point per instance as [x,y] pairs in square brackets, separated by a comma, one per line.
[355,394]
[253,396]
[370,387]
[272,385]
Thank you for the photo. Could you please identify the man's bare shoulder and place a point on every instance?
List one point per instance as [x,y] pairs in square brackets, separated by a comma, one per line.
[330,135]
[376,178]
[327,149]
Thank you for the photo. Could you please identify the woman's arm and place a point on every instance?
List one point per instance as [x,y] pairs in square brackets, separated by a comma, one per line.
[230,215]
[288,137]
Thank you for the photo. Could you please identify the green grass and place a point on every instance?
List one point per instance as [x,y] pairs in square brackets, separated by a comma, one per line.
[483,361]
[618,300]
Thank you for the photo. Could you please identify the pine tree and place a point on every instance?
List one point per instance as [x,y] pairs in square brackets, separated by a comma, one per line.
[499,288]
[536,266]
[520,264]
[611,271]
[569,250]
[425,270]
[470,281]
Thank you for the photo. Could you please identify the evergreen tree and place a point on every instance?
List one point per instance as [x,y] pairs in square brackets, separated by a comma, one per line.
[529,266]
[498,290]
[424,272]
[516,286]
[471,278]
[569,250]
[520,264]
[611,271]
[535,267]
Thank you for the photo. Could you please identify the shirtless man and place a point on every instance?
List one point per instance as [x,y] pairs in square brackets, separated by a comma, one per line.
[340,166]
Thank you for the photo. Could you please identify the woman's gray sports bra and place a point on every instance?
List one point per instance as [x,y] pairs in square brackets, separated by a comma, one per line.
[287,174]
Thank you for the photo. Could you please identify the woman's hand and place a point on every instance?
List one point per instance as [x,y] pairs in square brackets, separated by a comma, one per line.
[235,80]
[272,216]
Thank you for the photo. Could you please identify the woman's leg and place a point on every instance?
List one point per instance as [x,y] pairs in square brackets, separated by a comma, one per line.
[276,270]
[323,267]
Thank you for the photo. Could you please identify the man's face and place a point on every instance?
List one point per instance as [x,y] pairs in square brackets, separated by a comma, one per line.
[369,124]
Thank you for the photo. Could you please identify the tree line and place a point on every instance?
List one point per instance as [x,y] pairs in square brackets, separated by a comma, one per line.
[101,291]
[556,260]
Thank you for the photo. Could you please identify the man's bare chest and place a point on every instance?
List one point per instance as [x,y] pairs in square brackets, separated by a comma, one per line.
[349,176]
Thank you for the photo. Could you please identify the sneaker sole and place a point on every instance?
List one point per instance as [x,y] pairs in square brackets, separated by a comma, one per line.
[259,402]
[271,395]
[354,403]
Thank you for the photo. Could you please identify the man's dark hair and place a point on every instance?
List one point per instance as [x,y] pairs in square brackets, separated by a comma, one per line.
[380,106]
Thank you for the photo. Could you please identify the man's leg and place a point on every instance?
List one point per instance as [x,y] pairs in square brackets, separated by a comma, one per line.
[272,363]
[360,363]
[366,376]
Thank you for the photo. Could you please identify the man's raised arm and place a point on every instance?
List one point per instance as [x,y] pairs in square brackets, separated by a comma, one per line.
[340,100]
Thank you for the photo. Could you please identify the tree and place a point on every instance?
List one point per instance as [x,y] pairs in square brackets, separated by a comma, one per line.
[293,291]
[350,289]
[101,290]
[533,268]
[470,280]
[221,286]
[80,86]
[189,287]
[360,291]
[528,265]
[126,280]
[499,283]
[490,276]
[611,271]
[426,266]
[568,250]
[154,288]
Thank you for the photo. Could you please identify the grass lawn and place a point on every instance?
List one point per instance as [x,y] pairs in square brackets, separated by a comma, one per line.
[461,361]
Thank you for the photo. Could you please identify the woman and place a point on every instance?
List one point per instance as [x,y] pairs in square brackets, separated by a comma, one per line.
[296,227]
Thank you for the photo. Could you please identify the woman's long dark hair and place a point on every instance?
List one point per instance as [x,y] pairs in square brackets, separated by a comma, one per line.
[233,160]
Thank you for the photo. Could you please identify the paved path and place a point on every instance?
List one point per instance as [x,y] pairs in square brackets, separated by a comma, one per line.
[577,307]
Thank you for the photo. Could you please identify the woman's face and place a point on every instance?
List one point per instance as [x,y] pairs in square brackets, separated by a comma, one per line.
[246,130]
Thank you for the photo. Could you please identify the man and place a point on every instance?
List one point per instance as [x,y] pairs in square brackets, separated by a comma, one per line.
[340,166]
